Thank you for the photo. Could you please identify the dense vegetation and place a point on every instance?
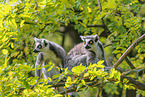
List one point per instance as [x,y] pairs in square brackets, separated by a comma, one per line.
[119,23]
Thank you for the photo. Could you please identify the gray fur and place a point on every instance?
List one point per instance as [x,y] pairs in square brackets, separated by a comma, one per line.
[48,52]
[86,53]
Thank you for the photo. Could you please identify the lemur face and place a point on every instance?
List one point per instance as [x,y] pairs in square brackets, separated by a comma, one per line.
[40,44]
[90,41]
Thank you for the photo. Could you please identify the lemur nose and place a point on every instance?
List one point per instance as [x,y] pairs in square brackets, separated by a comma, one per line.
[87,47]
[35,51]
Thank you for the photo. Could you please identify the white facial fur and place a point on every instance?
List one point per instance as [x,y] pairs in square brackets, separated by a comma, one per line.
[90,42]
[40,43]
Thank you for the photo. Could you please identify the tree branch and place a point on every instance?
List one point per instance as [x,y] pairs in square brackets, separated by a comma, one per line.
[94,25]
[138,70]
[135,83]
[106,30]
[132,81]
[41,31]
[118,68]
[94,83]
[129,63]
[128,50]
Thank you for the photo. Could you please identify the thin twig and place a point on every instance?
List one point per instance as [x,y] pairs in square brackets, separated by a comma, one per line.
[134,71]
[118,68]
[128,50]
[108,45]
[129,63]
[100,8]
[42,29]
[103,23]
[93,83]
[94,25]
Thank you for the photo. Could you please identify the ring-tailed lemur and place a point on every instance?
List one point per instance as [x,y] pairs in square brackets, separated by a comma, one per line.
[90,51]
[94,49]
[48,51]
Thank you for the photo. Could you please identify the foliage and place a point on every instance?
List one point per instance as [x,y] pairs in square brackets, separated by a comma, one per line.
[122,21]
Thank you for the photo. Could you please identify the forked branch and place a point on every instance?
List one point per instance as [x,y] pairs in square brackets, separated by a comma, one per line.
[128,50]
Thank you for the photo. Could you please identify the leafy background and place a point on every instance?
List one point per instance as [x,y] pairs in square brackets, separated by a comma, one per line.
[118,23]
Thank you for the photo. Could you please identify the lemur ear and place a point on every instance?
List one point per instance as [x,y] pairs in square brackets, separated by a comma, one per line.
[45,43]
[82,37]
[96,38]
[35,39]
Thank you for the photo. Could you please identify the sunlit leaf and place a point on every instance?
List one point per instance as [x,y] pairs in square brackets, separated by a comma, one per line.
[50,67]
[25,67]
[86,74]
[58,95]
[13,24]
[68,82]
[12,45]
[89,9]
[5,51]
[22,23]
[79,86]
[112,71]
[78,69]
[125,80]
[83,82]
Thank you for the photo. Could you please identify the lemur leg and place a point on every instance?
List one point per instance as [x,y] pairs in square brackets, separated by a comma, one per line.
[45,72]
[50,73]
[39,61]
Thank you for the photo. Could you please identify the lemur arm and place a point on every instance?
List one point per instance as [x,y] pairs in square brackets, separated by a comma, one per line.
[81,59]
[103,52]
[76,60]
[38,62]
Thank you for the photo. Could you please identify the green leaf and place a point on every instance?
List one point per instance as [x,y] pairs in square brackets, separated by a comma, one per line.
[116,51]
[125,80]
[112,71]
[78,69]
[83,82]
[99,64]
[25,67]
[58,95]
[4,39]
[68,82]
[111,4]
[26,84]
[5,51]
[86,74]
[22,23]
[68,79]
[118,75]
[89,9]
[79,86]
[12,24]
[118,56]
[33,81]
[50,67]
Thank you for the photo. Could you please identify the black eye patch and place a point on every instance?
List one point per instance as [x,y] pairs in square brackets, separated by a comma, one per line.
[96,39]
[91,42]
[39,46]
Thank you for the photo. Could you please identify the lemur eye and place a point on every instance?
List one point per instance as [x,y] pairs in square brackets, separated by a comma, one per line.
[39,46]
[84,42]
[91,42]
